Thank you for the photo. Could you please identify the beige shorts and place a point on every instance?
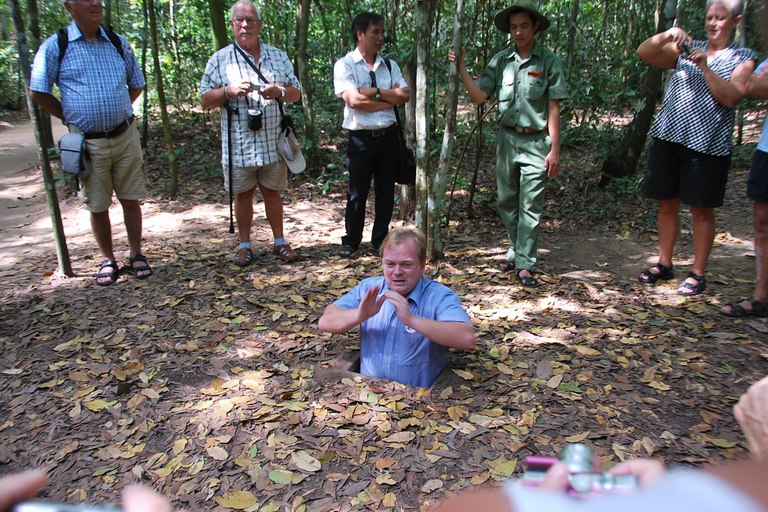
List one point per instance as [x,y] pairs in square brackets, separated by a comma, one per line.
[273,176]
[117,165]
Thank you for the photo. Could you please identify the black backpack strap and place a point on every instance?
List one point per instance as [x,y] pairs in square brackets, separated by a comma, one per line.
[63,39]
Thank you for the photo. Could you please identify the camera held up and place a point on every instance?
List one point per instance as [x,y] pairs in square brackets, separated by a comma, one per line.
[584,475]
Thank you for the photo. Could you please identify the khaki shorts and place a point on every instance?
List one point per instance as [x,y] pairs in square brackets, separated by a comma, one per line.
[273,176]
[117,165]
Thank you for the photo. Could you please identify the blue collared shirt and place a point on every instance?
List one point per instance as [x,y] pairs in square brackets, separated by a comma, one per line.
[93,79]
[389,349]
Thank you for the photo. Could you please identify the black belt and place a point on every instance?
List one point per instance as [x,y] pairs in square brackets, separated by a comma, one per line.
[524,129]
[379,132]
[114,132]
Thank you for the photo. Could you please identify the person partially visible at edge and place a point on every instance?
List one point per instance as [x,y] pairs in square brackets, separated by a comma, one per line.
[757,191]
[407,322]
[690,154]
[528,82]
[98,87]
[370,91]
[231,77]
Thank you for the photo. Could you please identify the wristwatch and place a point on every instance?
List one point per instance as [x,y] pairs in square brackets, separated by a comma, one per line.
[377,96]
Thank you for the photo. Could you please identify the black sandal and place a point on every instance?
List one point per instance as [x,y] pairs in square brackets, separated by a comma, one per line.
[347,251]
[687,289]
[141,268]
[526,281]
[111,275]
[506,265]
[664,273]
[758,309]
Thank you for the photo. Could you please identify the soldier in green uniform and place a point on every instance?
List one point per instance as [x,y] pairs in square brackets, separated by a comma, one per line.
[528,82]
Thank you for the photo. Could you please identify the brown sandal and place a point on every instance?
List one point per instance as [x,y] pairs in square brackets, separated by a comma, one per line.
[244,257]
[285,253]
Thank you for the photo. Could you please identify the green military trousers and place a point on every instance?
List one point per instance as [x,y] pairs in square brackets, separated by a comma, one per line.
[521,178]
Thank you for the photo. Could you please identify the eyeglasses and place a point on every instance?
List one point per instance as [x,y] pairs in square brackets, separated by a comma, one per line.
[373,78]
[243,21]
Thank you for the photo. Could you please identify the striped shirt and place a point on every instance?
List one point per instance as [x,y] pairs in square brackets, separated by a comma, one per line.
[351,72]
[227,66]
[690,115]
[93,79]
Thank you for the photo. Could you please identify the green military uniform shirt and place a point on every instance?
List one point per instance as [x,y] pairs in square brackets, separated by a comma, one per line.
[524,86]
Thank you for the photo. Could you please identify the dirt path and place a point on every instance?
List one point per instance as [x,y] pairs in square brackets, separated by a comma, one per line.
[25,226]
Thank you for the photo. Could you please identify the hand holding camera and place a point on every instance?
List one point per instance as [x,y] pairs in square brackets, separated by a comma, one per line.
[577,472]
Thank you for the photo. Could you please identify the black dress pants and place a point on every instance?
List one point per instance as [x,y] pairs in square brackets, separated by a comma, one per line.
[370,157]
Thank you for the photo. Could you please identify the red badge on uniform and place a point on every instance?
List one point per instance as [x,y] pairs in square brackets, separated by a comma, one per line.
[534,73]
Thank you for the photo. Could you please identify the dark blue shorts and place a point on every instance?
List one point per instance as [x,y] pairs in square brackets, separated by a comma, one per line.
[757,183]
[677,172]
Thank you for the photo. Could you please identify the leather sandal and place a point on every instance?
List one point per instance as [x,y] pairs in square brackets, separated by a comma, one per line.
[244,257]
[689,289]
[285,253]
[664,273]
[112,276]
[506,265]
[141,268]
[527,281]
[758,309]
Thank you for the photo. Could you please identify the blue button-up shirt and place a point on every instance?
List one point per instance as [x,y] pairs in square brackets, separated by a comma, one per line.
[389,349]
[93,79]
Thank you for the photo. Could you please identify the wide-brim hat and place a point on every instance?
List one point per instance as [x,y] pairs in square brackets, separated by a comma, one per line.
[501,19]
[289,149]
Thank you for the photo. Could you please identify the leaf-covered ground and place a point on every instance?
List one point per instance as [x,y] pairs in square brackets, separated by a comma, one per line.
[213,384]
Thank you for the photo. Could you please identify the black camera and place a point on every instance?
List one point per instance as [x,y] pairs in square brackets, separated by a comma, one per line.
[255,117]
[685,49]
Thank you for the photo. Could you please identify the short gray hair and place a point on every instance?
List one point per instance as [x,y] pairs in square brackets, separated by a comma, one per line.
[232,10]
[735,6]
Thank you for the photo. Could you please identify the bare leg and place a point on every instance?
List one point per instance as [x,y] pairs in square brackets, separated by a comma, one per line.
[244,213]
[273,207]
[132,219]
[102,232]
[703,237]
[668,225]
[761,252]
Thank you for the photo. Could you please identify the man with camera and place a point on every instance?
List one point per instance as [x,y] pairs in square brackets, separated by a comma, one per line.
[528,81]
[370,88]
[249,80]
[99,79]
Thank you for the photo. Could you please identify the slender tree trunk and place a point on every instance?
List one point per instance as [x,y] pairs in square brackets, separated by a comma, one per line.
[622,160]
[107,12]
[407,194]
[307,87]
[629,38]
[218,24]
[161,99]
[145,103]
[62,253]
[435,241]
[741,41]
[174,35]
[570,42]
[34,42]
[424,12]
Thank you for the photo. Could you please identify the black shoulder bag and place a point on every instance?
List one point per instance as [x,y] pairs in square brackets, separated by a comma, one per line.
[405,173]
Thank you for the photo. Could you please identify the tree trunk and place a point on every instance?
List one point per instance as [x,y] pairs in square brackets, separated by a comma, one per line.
[170,146]
[622,160]
[145,103]
[435,241]
[741,41]
[62,253]
[107,13]
[571,36]
[218,24]
[424,11]
[310,135]
[34,42]
[409,73]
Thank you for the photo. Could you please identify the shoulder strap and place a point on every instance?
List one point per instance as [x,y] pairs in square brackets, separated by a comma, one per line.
[261,76]
[63,39]
[397,114]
